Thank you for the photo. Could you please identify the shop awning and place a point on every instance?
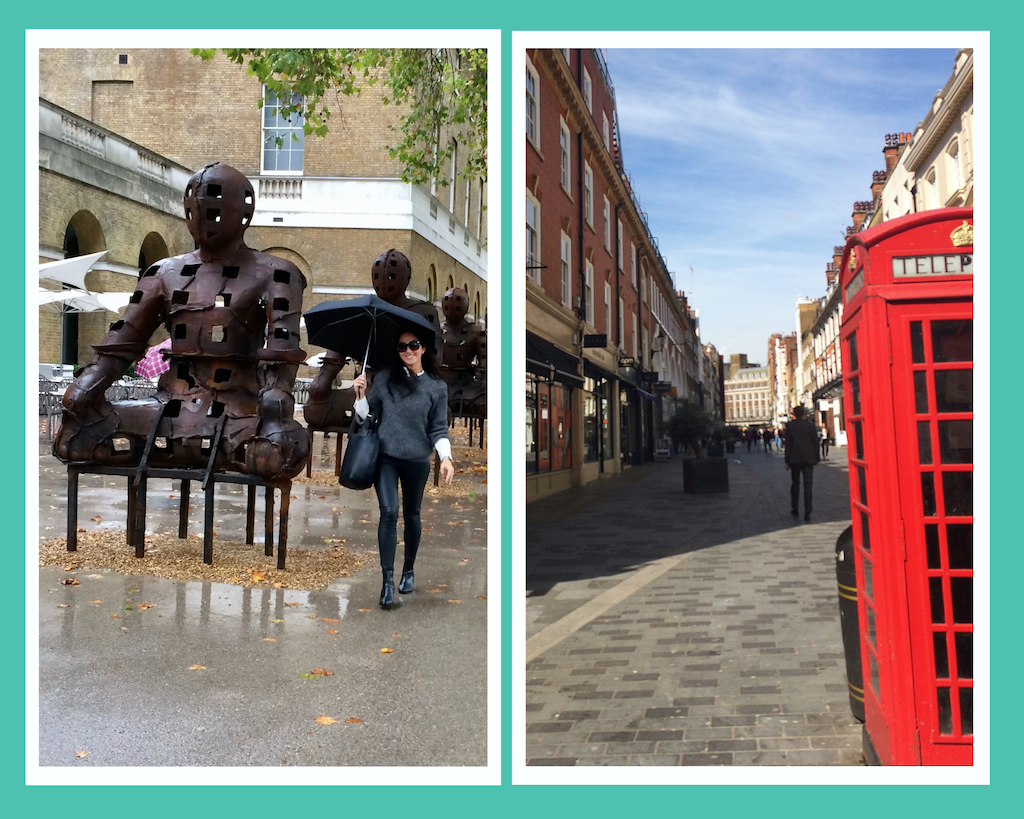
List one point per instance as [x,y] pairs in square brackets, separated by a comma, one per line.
[545,359]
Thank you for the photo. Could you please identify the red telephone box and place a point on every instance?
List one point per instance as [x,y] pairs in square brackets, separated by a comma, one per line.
[907,345]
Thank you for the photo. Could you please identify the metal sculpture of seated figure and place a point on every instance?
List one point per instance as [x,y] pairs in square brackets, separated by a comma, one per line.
[233,316]
[464,358]
[329,409]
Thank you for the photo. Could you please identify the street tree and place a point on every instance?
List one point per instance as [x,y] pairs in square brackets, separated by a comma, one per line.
[435,91]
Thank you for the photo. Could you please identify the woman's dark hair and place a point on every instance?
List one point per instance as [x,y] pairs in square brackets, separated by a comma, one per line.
[405,381]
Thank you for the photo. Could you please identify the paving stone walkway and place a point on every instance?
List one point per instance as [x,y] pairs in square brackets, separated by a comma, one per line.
[673,629]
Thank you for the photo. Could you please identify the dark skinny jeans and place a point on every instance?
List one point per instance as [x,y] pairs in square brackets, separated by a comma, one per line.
[413,476]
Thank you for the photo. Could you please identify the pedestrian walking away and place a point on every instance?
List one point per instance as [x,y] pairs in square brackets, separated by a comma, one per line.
[778,440]
[801,456]
[410,401]
[767,436]
[823,434]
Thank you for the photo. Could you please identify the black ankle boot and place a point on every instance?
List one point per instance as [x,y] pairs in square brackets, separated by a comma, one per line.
[405,586]
[387,592]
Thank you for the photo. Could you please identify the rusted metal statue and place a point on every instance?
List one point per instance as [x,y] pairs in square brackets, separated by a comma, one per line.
[329,409]
[233,317]
[464,359]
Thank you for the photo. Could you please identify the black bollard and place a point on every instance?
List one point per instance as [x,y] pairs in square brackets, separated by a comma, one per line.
[846,577]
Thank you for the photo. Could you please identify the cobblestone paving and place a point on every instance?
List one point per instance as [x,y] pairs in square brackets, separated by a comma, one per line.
[730,656]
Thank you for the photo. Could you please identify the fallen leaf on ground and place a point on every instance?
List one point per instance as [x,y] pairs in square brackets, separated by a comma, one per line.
[81,754]
[95,576]
[325,721]
[365,610]
[364,521]
[145,606]
[433,591]
[395,634]
[63,606]
[115,616]
[311,616]
[323,672]
[353,721]
[293,604]
[330,620]
[97,519]
[257,577]
[96,602]
[280,585]
[197,668]
[70,581]
[122,628]
[332,631]
[387,651]
[269,639]
[71,567]
[454,601]
[481,597]
[275,620]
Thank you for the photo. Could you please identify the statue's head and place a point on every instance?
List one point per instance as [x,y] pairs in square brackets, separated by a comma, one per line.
[392,272]
[219,202]
[455,305]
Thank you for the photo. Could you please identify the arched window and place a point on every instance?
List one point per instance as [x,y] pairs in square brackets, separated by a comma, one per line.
[451,284]
[432,295]
[955,175]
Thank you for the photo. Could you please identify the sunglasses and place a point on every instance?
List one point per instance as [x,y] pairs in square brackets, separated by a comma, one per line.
[412,345]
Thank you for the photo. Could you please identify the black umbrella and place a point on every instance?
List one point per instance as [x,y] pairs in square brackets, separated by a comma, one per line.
[364,328]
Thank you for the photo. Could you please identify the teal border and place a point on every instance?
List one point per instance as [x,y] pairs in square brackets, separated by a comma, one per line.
[740,15]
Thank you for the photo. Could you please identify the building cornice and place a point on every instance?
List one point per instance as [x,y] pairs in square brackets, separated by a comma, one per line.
[953,97]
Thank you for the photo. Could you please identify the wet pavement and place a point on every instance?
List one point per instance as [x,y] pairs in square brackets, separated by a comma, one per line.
[673,629]
[147,671]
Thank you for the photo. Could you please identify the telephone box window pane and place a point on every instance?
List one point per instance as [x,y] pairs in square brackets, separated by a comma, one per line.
[953,340]
[962,592]
[921,392]
[954,390]
[964,655]
[865,532]
[960,545]
[928,493]
[931,540]
[956,442]
[935,594]
[855,392]
[941,655]
[853,353]
[916,342]
[858,440]
[869,586]
[945,712]
[874,672]
[862,485]
[958,493]
[924,442]
[871,626]
[966,711]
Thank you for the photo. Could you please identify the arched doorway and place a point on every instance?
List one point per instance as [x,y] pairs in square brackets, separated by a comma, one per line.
[153,249]
[83,235]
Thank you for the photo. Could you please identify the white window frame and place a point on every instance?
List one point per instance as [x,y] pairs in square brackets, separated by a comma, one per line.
[469,192]
[533,261]
[451,176]
[619,237]
[588,194]
[565,157]
[566,268]
[532,123]
[632,263]
[619,340]
[565,53]
[932,188]
[589,301]
[606,132]
[293,126]
[607,225]
[956,177]
[608,307]
[588,90]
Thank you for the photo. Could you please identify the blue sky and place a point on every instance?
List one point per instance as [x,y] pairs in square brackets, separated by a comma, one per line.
[748,163]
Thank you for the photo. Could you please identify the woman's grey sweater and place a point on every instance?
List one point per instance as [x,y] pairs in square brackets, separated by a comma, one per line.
[411,424]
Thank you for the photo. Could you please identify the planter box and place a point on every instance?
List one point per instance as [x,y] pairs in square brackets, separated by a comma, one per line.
[730,446]
[716,450]
[703,475]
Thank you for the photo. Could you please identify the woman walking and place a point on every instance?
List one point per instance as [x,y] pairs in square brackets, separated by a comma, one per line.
[823,435]
[411,402]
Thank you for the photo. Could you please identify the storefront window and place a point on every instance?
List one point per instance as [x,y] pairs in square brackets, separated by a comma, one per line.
[591,422]
[561,437]
[548,427]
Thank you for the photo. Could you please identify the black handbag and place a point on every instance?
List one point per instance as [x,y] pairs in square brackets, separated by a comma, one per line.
[359,466]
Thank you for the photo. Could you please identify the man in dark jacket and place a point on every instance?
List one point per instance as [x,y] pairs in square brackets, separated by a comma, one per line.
[801,456]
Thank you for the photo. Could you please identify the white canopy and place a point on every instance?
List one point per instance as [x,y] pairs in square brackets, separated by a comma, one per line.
[70,271]
[81,301]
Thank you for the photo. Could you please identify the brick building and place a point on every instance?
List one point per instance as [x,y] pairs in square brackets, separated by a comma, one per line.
[122,130]
[610,344]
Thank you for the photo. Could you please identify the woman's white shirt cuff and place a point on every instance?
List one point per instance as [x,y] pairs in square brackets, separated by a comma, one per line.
[444,448]
[362,408]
